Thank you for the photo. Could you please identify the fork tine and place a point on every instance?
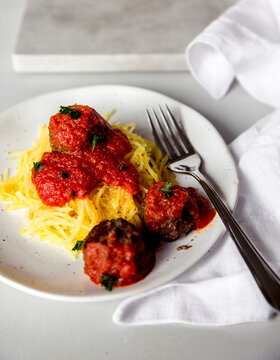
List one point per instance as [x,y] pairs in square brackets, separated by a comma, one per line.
[165,143]
[157,139]
[173,133]
[181,136]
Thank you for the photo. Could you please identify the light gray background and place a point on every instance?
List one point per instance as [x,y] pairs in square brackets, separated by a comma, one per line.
[32,328]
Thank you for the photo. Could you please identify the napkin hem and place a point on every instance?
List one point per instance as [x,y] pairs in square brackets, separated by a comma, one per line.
[214,94]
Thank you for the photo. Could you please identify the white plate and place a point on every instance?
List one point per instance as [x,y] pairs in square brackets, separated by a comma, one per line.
[43,269]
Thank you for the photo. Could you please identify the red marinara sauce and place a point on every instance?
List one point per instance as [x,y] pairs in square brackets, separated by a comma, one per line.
[87,150]
[114,248]
[62,177]
[117,260]
[159,206]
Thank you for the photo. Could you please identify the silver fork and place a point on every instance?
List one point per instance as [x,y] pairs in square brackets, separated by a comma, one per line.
[184,159]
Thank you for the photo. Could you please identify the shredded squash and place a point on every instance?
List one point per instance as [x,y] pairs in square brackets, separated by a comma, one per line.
[63,226]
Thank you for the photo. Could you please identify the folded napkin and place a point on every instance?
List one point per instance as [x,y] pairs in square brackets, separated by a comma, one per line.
[244,43]
[219,289]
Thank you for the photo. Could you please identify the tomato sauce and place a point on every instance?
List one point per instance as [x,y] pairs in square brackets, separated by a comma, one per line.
[87,150]
[72,129]
[116,248]
[159,207]
[205,209]
[117,260]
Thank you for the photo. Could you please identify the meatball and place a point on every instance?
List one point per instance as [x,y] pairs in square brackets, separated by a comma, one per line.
[171,211]
[86,150]
[115,254]
[74,127]
[173,228]
[170,229]
[61,178]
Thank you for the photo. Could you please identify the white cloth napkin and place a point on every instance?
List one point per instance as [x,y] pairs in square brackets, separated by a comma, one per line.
[220,290]
[244,43]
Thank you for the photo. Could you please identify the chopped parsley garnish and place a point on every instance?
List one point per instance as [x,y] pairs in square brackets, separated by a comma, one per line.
[73,193]
[166,190]
[71,111]
[37,166]
[123,166]
[78,245]
[96,139]
[65,175]
[108,281]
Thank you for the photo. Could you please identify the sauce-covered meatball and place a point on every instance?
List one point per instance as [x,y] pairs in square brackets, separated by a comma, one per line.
[80,127]
[115,254]
[171,211]
[73,126]
[62,177]
[87,151]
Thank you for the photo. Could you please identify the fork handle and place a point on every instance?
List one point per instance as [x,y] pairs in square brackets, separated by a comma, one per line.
[267,280]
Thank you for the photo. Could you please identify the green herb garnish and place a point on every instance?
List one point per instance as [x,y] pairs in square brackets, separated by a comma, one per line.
[78,245]
[73,193]
[96,139]
[65,175]
[71,111]
[166,190]
[37,166]
[108,281]
[123,166]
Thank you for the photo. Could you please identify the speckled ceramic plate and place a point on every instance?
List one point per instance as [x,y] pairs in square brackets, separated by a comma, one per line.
[45,270]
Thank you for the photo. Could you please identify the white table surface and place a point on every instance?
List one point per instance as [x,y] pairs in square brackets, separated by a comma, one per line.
[35,328]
